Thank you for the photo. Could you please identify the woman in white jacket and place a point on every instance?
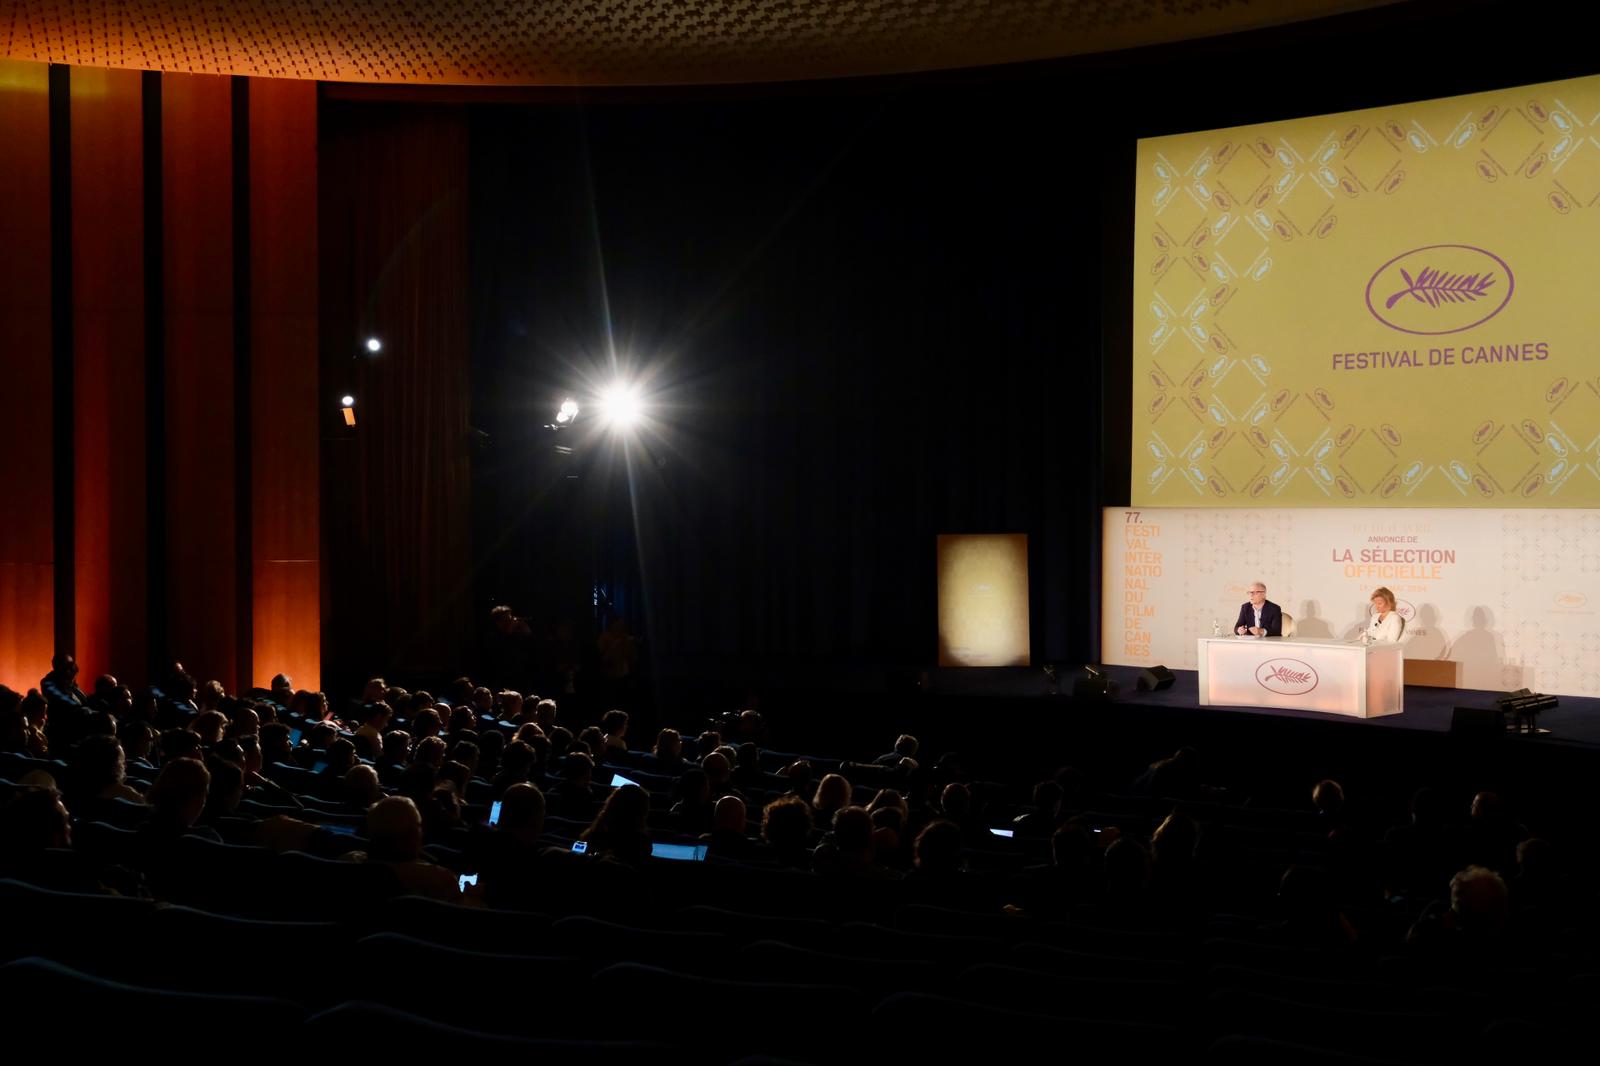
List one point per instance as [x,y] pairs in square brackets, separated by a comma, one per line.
[1386,625]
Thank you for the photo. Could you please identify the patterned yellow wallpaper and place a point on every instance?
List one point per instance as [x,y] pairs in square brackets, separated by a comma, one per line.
[1391,307]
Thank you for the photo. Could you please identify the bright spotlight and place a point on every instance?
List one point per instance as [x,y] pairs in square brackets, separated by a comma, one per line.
[347,408]
[347,401]
[568,411]
[620,405]
[374,345]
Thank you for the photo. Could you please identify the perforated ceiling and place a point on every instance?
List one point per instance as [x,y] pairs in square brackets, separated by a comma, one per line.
[606,42]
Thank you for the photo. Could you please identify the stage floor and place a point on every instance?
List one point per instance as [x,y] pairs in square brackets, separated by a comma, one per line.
[1575,721]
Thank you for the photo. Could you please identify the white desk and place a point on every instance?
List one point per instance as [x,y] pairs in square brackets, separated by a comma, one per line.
[1302,674]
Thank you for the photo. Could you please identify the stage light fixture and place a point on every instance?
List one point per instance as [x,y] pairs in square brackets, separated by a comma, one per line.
[347,407]
[374,345]
[620,405]
[568,412]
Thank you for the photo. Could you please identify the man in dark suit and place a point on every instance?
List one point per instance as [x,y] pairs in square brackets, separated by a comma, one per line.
[60,685]
[1260,616]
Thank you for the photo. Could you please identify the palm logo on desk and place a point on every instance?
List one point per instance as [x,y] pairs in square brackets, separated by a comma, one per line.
[1287,677]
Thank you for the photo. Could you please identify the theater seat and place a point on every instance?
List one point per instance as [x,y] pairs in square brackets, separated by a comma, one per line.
[385,1034]
[92,1014]
[751,926]
[303,961]
[490,991]
[1107,999]
[603,941]
[1374,1032]
[662,1001]
[877,941]
[312,888]
[470,928]
[1256,1051]
[70,927]
[1082,964]
[776,961]
[915,1026]
[217,877]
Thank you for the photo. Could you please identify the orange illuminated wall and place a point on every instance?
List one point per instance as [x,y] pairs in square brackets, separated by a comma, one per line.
[286,632]
[159,375]
[197,216]
[108,372]
[27,547]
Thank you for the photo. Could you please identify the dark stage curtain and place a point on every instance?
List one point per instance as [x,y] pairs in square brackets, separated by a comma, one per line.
[396,489]
[866,321]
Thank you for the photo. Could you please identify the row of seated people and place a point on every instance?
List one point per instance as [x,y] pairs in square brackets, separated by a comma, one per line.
[218,825]
[458,763]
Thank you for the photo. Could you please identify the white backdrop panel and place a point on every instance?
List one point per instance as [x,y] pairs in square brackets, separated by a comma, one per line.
[1511,598]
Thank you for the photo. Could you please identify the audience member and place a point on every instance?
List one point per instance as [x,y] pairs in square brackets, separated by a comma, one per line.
[668,751]
[786,827]
[620,832]
[394,837]
[614,728]
[832,796]
[178,799]
[905,747]
[727,839]
[692,805]
[848,850]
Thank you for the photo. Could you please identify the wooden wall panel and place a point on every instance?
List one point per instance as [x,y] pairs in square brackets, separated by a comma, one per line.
[27,548]
[285,502]
[108,403]
[197,209]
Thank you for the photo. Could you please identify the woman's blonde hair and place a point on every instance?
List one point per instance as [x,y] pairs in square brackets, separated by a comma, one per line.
[1381,593]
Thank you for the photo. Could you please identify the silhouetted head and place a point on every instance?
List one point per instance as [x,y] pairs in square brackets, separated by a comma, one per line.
[522,812]
[180,791]
[669,745]
[717,767]
[1479,901]
[34,820]
[1127,869]
[956,801]
[394,830]
[361,787]
[625,811]
[786,823]
[1328,798]
[852,834]
[833,794]
[938,848]
[729,815]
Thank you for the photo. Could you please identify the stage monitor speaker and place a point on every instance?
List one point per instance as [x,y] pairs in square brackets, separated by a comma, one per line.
[1098,689]
[1477,723]
[1155,679]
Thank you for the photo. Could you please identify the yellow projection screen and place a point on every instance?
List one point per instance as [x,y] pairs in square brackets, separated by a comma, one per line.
[983,599]
[1394,307]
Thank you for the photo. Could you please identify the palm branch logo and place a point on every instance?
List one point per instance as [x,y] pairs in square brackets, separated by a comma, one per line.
[1440,288]
[1287,677]
[1434,287]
